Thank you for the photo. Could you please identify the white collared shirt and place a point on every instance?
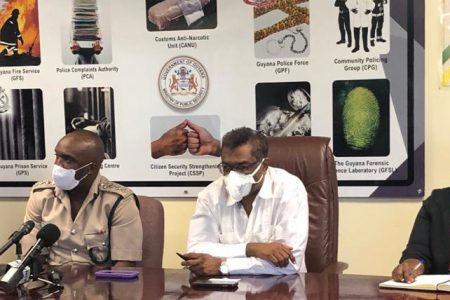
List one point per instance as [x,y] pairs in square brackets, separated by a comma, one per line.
[220,226]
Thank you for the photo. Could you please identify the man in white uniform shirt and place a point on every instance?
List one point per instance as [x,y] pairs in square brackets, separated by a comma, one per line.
[253,219]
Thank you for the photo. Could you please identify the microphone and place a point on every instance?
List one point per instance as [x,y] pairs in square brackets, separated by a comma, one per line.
[24,229]
[16,275]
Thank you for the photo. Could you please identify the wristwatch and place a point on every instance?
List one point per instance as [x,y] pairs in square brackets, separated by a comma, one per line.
[223,267]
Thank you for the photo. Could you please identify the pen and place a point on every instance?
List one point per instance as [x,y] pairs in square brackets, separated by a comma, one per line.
[421,262]
[181,256]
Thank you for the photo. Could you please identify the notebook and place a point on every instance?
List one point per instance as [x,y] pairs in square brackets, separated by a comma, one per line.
[422,282]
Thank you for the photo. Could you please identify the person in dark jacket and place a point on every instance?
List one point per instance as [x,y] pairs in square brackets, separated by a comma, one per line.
[377,22]
[10,34]
[428,249]
[344,22]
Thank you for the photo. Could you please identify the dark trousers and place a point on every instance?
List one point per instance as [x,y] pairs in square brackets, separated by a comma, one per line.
[344,25]
[365,34]
[377,25]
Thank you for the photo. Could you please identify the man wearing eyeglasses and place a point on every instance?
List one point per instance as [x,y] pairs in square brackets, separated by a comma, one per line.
[80,202]
[253,219]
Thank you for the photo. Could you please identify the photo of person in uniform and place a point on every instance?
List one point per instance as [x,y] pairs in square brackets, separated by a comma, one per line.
[360,12]
[344,23]
[19,34]
[92,109]
[377,22]
[10,34]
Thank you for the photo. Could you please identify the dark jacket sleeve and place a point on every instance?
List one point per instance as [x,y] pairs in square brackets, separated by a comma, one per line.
[430,236]
[419,241]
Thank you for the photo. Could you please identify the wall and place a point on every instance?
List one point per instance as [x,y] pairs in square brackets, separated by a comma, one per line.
[372,232]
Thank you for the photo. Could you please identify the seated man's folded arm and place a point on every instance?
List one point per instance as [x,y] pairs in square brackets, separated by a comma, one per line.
[291,229]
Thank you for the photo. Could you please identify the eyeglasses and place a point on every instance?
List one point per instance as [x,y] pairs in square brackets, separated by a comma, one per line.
[244,168]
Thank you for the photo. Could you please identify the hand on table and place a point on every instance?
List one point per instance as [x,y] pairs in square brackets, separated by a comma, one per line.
[202,264]
[277,253]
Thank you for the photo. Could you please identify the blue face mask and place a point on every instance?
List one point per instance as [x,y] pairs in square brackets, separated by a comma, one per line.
[65,178]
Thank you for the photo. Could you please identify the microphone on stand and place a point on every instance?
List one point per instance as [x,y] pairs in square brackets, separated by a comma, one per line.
[14,238]
[20,272]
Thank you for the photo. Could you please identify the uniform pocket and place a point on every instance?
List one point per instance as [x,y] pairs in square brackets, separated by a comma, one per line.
[97,244]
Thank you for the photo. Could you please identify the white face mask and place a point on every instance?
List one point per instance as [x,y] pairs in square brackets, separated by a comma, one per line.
[239,185]
[65,178]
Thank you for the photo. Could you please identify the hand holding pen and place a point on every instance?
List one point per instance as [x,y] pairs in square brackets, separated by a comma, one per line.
[408,270]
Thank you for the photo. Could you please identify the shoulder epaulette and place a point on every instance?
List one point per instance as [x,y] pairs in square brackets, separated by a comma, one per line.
[43,185]
[112,187]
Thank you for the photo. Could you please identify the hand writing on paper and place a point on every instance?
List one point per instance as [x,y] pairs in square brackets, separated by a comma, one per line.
[201,142]
[172,142]
[408,270]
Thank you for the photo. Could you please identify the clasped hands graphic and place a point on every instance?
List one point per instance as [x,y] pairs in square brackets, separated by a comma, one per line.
[185,136]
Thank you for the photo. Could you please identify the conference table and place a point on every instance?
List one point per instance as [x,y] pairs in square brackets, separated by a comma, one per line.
[80,283]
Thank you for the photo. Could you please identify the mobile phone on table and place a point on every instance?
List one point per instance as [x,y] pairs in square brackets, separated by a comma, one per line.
[181,256]
[223,283]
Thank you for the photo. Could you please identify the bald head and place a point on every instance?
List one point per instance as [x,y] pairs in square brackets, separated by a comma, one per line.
[84,146]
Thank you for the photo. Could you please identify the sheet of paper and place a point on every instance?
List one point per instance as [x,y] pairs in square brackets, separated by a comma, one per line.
[423,282]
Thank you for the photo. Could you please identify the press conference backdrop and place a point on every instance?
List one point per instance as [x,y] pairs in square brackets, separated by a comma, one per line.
[135,72]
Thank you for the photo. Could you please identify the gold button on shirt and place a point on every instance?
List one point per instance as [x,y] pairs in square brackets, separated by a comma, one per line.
[89,230]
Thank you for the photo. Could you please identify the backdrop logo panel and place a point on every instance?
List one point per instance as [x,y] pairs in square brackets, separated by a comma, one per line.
[183,82]
[162,93]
